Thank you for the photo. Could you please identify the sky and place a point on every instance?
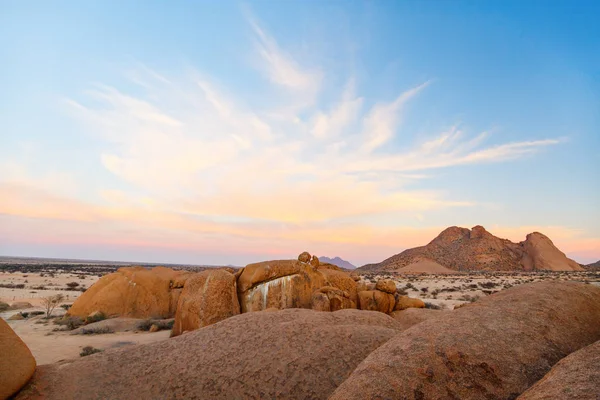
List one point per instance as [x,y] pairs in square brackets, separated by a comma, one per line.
[224,133]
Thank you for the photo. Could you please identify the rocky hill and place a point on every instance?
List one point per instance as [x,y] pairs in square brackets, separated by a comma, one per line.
[462,249]
[593,267]
[337,261]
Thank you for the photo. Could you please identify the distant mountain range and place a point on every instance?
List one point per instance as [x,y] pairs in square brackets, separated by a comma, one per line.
[337,261]
[462,249]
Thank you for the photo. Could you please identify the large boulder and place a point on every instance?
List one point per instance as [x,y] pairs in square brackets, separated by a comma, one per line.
[386,285]
[576,376]
[404,302]
[376,300]
[135,292]
[288,354]
[17,364]
[342,281]
[329,298]
[207,298]
[495,348]
[278,284]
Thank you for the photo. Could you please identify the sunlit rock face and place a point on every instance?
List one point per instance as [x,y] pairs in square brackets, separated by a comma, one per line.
[278,284]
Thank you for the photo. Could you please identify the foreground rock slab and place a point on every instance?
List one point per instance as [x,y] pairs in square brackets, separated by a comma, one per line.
[16,362]
[495,348]
[576,376]
[288,354]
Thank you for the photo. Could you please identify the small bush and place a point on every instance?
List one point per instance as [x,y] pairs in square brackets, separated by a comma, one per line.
[433,306]
[425,289]
[401,291]
[95,318]
[4,306]
[162,324]
[96,331]
[70,322]
[65,306]
[88,350]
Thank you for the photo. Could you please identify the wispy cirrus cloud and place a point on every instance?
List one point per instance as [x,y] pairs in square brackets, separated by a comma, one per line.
[193,158]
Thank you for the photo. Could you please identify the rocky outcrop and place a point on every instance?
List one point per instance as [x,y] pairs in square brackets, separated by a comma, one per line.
[278,284]
[207,298]
[540,253]
[386,285]
[576,376]
[495,348]
[404,302]
[342,281]
[289,354]
[461,249]
[376,300]
[16,362]
[133,292]
[329,298]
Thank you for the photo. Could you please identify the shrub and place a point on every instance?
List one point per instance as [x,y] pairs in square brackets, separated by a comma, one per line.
[96,331]
[4,306]
[95,317]
[51,302]
[65,306]
[435,306]
[88,350]
[401,291]
[425,289]
[162,324]
[70,322]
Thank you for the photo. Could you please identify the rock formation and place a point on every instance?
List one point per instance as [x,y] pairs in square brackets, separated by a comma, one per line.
[495,348]
[461,249]
[17,364]
[405,302]
[386,285]
[279,284]
[208,297]
[289,354]
[376,300]
[576,376]
[329,298]
[133,292]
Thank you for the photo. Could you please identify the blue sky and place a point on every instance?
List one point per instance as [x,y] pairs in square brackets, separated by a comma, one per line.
[230,132]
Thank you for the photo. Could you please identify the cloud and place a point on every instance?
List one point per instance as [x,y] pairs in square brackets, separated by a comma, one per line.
[382,121]
[195,162]
[281,68]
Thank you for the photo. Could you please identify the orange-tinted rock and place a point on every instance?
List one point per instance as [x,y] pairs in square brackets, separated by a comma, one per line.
[207,298]
[289,354]
[541,254]
[342,281]
[386,285]
[280,284]
[132,292]
[577,376]
[304,257]
[17,364]
[376,300]
[495,348]
[329,298]
[460,249]
[404,302]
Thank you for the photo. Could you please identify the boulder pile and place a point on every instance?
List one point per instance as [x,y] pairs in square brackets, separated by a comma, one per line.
[197,300]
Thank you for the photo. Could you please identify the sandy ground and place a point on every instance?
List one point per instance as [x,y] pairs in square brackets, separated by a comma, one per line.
[49,347]
[33,281]
[448,291]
